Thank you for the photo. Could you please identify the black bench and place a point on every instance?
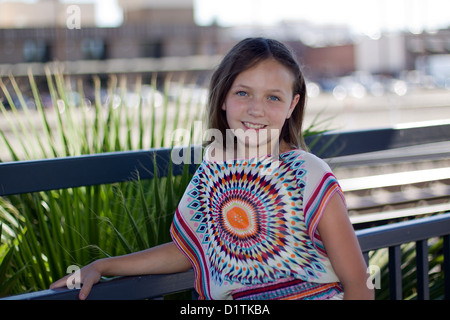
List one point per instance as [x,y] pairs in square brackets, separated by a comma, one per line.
[50,174]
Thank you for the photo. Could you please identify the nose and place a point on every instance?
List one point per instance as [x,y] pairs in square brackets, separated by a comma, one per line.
[256,108]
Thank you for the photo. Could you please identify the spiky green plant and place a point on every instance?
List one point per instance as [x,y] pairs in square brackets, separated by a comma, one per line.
[380,258]
[45,232]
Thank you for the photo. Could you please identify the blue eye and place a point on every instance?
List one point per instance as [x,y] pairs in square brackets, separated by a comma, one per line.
[274,98]
[241,93]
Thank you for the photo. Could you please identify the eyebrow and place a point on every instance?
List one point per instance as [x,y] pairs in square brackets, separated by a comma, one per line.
[248,87]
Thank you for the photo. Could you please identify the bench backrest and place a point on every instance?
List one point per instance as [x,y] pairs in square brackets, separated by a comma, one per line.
[60,173]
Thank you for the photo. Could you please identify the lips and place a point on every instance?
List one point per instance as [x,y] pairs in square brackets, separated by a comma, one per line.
[254,126]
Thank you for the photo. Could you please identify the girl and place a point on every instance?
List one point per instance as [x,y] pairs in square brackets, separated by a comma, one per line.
[262,218]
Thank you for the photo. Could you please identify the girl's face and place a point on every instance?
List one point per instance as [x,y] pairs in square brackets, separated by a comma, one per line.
[258,104]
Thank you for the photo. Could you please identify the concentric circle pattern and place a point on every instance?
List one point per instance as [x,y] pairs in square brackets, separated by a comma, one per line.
[251,211]
[248,224]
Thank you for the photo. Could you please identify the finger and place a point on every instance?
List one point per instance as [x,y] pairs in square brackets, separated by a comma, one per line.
[85,289]
[59,283]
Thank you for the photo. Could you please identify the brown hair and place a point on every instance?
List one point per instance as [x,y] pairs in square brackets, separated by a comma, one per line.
[244,55]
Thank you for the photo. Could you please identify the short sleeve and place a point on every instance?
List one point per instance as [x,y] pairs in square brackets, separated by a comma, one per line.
[187,228]
[320,186]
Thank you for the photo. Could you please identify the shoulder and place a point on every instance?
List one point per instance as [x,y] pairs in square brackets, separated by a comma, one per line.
[311,172]
[306,160]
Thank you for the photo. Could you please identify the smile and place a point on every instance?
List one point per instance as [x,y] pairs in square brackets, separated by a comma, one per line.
[254,125]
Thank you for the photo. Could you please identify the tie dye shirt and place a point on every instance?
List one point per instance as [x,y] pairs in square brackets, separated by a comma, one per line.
[251,226]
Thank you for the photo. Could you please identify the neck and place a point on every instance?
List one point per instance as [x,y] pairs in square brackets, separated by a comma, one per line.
[218,152]
[274,148]
[246,151]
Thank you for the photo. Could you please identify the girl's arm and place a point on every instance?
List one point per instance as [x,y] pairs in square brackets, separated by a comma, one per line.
[163,259]
[343,250]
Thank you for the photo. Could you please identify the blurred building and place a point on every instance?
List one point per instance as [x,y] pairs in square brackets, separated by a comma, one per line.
[38,32]
[329,61]
[419,59]
[157,12]
[42,14]
[154,30]
[392,53]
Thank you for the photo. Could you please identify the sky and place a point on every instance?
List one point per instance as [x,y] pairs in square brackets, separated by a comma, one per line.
[363,16]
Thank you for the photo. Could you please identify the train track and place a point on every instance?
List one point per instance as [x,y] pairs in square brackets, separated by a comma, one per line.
[393,185]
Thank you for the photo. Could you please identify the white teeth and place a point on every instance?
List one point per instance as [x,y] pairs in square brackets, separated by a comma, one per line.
[253,126]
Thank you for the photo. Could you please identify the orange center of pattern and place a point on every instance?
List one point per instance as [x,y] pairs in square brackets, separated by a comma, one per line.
[238,219]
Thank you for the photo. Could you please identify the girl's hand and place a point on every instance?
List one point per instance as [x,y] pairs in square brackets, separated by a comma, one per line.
[89,275]
[162,259]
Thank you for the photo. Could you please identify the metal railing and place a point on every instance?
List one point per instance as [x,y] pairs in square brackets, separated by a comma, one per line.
[41,175]
[390,236]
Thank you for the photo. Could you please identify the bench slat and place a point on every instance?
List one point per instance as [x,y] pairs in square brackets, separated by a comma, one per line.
[394,179]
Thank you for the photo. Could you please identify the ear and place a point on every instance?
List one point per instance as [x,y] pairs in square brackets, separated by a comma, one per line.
[224,107]
[294,102]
